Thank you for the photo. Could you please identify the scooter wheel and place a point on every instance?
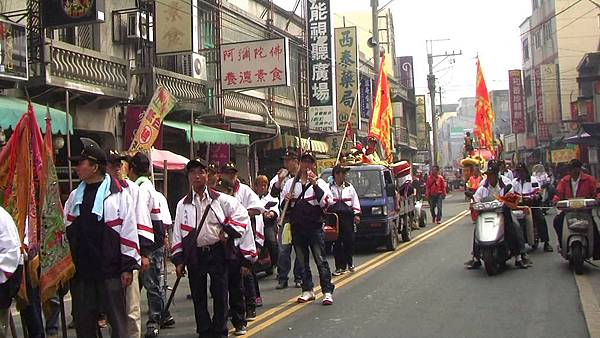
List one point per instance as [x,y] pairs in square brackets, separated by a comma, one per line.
[577,258]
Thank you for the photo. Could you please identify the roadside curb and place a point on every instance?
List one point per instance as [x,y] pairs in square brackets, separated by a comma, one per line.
[589,304]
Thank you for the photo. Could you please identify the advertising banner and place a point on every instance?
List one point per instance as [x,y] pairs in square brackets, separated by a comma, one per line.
[517,101]
[346,77]
[255,64]
[174,26]
[63,13]
[542,130]
[366,97]
[161,104]
[321,111]
[422,133]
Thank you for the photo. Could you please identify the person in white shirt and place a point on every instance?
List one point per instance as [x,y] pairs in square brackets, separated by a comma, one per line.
[347,206]
[530,190]
[497,185]
[309,197]
[203,252]
[10,267]
[242,298]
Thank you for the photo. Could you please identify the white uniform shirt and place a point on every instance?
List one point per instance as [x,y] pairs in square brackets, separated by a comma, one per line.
[249,199]
[225,211]
[486,190]
[260,222]
[526,188]
[10,246]
[310,196]
[346,194]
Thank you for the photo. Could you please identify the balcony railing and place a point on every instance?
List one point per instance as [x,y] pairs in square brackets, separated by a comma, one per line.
[242,104]
[191,93]
[84,70]
[402,136]
[412,141]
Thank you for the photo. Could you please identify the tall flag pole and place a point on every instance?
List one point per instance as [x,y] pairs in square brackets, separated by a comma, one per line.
[484,116]
[381,119]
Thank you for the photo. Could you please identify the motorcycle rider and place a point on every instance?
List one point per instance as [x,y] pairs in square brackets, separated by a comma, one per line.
[529,188]
[576,184]
[497,185]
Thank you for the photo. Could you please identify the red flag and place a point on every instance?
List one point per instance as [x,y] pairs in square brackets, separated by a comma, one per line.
[484,116]
[381,119]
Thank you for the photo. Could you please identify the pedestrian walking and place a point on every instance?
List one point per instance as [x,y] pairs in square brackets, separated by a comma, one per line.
[204,220]
[11,267]
[152,237]
[347,207]
[242,296]
[308,197]
[269,218]
[104,245]
[132,292]
[435,192]
[291,165]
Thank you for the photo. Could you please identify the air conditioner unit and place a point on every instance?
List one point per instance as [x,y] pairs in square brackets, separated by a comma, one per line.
[194,65]
[138,26]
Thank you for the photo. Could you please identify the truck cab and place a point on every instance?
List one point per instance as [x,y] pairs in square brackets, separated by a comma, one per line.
[376,191]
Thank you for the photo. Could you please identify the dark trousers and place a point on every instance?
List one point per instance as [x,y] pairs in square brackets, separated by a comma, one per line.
[271,243]
[256,286]
[558,225]
[305,241]
[211,264]
[284,262]
[89,297]
[344,246]
[237,303]
[150,280]
[31,315]
[250,292]
[539,220]
[435,206]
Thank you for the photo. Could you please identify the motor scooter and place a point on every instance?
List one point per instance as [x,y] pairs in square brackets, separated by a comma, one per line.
[494,251]
[524,216]
[581,216]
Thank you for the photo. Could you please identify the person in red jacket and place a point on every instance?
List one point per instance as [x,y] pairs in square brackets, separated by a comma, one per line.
[435,192]
[576,184]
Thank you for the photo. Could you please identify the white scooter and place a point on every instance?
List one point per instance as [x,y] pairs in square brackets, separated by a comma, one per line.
[489,235]
[581,215]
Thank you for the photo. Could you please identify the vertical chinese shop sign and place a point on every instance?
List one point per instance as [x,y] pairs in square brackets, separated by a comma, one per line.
[346,77]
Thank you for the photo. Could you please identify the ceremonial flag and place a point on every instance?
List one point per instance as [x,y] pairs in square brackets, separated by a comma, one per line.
[56,262]
[484,116]
[381,119]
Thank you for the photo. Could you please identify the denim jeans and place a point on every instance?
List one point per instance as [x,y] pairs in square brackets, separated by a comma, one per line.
[435,204]
[305,241]
[150,280]
[284,262]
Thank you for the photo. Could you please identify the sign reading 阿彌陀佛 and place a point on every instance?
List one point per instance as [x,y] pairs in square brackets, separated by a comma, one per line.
[255,64]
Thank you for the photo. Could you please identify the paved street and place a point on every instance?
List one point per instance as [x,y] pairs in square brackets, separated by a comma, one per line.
[423,290]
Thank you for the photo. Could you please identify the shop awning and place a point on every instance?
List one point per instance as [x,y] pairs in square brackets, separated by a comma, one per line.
[288,141]
[12,109]
[205,134]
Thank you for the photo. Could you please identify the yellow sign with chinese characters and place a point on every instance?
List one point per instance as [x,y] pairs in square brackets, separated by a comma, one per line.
[161,104]
[346,78]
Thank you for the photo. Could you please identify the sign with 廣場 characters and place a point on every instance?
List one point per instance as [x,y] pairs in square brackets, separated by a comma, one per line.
[321,112]
[346,77]
[255,64]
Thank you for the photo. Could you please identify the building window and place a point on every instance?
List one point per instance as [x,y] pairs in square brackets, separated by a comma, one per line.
[535,4]
[525,49]
[527,86]
[538,38]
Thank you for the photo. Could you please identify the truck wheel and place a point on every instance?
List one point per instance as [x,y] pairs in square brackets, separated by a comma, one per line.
[392,241]
[577,257]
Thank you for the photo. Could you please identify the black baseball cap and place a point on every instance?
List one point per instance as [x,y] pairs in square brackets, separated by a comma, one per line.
[340,169]
[229,166]
[493,167]
[290,155]
[140,162]
[213,167]
[308,157]
[91,153]
[197,163]
[575,163]
[115,156]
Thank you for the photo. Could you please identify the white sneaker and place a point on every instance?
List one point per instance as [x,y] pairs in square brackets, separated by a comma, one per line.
[328,298]
[306,297]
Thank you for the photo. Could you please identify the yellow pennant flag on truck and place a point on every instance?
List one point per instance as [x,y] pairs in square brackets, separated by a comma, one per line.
[161,104]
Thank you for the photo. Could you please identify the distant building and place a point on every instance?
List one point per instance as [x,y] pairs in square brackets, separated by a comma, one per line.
[499,100]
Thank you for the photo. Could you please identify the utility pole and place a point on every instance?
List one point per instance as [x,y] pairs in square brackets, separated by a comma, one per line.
[376,50]
[431,85]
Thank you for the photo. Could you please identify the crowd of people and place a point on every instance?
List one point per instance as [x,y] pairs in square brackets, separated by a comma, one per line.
[118,226]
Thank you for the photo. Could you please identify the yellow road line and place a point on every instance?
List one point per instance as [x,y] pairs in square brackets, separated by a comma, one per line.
[363,269]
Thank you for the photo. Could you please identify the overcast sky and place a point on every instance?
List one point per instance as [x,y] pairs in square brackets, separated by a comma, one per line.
[489,28]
